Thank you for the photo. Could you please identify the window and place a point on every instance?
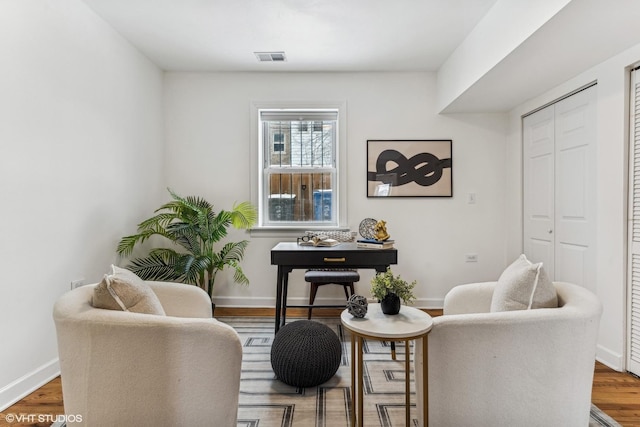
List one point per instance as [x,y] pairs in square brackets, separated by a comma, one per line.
[298,168]
[278,143]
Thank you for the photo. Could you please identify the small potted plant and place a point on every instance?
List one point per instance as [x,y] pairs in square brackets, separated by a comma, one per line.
[390,289]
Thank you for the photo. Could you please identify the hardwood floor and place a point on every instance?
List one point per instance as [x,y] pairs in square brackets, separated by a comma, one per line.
[41,406]
[615,393]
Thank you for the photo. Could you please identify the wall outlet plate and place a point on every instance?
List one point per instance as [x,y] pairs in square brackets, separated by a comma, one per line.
[471,258]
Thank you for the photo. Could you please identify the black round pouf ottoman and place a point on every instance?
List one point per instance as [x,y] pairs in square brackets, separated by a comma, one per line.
[305,353]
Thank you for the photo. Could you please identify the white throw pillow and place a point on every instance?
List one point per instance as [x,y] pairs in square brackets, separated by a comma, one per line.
[124,290]
[523,286]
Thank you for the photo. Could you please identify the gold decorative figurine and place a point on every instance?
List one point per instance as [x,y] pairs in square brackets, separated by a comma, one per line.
[380,231]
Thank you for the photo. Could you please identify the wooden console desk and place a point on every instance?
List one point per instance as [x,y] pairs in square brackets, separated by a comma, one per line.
[289,255]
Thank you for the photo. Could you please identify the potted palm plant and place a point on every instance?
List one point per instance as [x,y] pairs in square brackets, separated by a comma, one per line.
[194,230]
[389,289]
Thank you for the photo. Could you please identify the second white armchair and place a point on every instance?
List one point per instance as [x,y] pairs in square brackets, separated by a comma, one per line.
[512,368]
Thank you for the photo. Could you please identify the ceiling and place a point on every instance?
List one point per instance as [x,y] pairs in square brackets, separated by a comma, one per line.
[385,35]
[316,35]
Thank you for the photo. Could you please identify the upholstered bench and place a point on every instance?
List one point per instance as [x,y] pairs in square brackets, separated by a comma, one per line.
[319,277]
[305,353]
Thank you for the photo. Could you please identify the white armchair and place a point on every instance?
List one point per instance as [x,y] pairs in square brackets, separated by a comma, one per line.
[524,368]
[123,368]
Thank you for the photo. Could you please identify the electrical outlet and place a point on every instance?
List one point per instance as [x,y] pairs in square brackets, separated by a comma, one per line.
[77,283]
[471,258]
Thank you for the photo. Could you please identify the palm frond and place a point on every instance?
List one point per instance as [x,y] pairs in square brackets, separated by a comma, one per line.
[196,204]
[186,235]
[232,252]
[127,243]
[191,268]
[190,242]
[155,266]
[195,269]
[244,215]
[161,220]
[167,255]
[238,275]
[218,225]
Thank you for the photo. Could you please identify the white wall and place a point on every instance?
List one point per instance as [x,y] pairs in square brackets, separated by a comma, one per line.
[80,165]
[208,137]
[612,124]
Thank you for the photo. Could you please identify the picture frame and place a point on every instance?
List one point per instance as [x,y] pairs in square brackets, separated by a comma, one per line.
[409,168]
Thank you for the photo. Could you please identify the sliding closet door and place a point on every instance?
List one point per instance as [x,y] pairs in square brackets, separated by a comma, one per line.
[575,189]
[560,188]
[539,182]
[633,358]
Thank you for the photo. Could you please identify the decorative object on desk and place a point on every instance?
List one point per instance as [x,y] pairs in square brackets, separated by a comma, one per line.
[191,224]
[317,241]
[380,231]
[409,168]
[366,228]
[340,236]
[357,306]
[386,283]
[375,244]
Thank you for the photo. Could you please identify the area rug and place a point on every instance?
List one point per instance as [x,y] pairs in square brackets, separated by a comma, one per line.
[265,401]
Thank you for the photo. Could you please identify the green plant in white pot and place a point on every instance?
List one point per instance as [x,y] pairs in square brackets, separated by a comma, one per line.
[389,289]
[195,230]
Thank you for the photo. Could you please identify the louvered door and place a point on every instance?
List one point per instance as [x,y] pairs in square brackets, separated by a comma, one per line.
[633,361]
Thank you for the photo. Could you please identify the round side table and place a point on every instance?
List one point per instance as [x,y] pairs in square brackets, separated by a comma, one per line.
[410,324]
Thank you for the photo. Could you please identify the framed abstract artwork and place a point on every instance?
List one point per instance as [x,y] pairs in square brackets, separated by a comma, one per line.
[409,168]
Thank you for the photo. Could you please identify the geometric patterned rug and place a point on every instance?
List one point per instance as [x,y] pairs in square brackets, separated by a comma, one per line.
[267,402]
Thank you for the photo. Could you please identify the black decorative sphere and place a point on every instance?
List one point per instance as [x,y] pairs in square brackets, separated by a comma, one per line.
[357,305]
[305,353]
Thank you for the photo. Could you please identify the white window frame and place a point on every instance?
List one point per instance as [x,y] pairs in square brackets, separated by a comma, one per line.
[257,159]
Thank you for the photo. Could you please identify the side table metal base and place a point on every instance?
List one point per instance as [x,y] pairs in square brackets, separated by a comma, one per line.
[375,326]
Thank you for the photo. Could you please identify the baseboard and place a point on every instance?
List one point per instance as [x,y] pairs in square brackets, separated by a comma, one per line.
[260,302]
[611,359]
[429,303]
[29,383]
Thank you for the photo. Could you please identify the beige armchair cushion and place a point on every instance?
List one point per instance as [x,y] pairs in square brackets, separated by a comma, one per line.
[124,290]
[522,286]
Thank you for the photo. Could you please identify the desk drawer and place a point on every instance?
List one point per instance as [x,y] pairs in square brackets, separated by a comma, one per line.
[366,258]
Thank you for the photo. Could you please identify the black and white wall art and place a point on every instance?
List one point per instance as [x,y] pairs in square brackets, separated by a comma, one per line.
[409,168]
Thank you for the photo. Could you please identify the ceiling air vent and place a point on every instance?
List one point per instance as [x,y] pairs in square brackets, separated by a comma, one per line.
[270,56]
